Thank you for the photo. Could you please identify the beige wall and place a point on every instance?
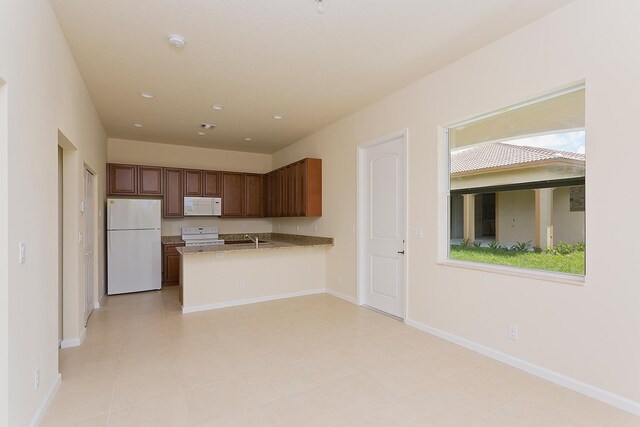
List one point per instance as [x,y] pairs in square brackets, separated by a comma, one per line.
[149,153]
[44,94]
[4,256]
[568,227]
[179,156]
[590,333]
[214,279]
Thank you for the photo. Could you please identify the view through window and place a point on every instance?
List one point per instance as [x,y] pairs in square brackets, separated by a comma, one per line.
[517,186]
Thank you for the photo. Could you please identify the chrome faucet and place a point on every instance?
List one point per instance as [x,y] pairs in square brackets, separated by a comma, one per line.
[256,240]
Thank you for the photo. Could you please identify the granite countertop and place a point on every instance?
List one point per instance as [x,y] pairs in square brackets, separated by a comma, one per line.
[274,241]
[172,240]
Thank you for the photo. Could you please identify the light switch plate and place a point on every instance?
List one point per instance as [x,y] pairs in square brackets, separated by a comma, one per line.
[418,233]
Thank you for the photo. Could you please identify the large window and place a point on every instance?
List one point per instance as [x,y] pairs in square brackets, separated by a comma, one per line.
[517,185]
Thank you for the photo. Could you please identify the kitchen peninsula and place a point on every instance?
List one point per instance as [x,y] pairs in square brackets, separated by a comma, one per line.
[237,273]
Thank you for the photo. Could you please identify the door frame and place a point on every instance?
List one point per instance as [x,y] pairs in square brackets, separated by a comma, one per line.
[361,209]
[95,231]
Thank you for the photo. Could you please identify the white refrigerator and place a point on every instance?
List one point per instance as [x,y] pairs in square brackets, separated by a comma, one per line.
[133,245]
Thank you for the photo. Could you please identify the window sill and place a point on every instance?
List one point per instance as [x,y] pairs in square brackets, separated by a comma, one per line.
[548,276]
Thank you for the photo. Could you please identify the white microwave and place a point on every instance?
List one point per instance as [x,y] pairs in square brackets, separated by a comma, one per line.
[202,206]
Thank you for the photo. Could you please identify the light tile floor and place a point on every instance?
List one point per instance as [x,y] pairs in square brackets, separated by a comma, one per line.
[308,361]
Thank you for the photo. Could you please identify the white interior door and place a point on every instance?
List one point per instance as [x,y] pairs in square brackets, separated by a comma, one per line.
[89,239]
[382,225]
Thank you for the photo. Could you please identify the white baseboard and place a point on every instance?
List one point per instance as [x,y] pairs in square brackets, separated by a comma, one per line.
[235,303]
[99,303]
[341,296]
[42,409]
[74,342]
[551,376]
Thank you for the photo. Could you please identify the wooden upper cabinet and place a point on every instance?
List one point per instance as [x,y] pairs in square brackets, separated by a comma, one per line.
[299,190]
[233,193]
[173,197]
[149,181]
[312,187]
[211,184]
[192,183]
[254,195]
[295,190]
[122,180]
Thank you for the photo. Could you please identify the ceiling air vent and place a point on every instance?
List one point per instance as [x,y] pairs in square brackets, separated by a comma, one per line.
[207,125]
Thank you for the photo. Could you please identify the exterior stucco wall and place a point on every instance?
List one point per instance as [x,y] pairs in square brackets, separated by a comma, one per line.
[568,226]
[516,216]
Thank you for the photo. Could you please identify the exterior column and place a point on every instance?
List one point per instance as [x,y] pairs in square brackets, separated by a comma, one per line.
[544,218]
[469,217]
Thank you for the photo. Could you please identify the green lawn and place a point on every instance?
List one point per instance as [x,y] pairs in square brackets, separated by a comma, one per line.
[571,263]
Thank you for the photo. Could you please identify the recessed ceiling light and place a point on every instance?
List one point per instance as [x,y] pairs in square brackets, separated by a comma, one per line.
[218,107]
[247,139]
[176,40]
[201,133]
[137,125]
[147,95]
[278,116]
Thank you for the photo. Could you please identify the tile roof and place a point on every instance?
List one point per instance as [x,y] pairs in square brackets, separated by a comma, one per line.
[499,155]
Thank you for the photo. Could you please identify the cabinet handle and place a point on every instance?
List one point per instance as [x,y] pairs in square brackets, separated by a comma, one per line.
[401,252]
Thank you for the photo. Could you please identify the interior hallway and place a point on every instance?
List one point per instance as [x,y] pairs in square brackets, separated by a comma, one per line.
[308,361]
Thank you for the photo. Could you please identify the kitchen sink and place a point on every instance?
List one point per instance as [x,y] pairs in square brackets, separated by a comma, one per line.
[244,242]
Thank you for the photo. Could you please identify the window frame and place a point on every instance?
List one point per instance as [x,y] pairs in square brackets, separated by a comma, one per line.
[444,257]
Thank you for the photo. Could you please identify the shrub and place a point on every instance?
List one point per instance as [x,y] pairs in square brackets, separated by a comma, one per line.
[521,246]
[465,243]
[566,248]
[495,245]
[477,244]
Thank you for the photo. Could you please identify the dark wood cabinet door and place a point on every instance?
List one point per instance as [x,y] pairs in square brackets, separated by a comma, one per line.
[313,187]
[266,188]
[192,183]
[282,188]
[122,179]
[253,206]
[291,190]
[173,198]
[211,184]
[172,266]
[300,185]
[149,180]
[233,194]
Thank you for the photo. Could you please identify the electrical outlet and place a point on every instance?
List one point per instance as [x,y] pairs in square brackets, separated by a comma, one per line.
[243,285]
[418,233]
[36,382]
[339,280]
[512,332]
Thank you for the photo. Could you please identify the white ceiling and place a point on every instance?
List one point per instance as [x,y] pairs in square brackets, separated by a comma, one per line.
[259,57]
